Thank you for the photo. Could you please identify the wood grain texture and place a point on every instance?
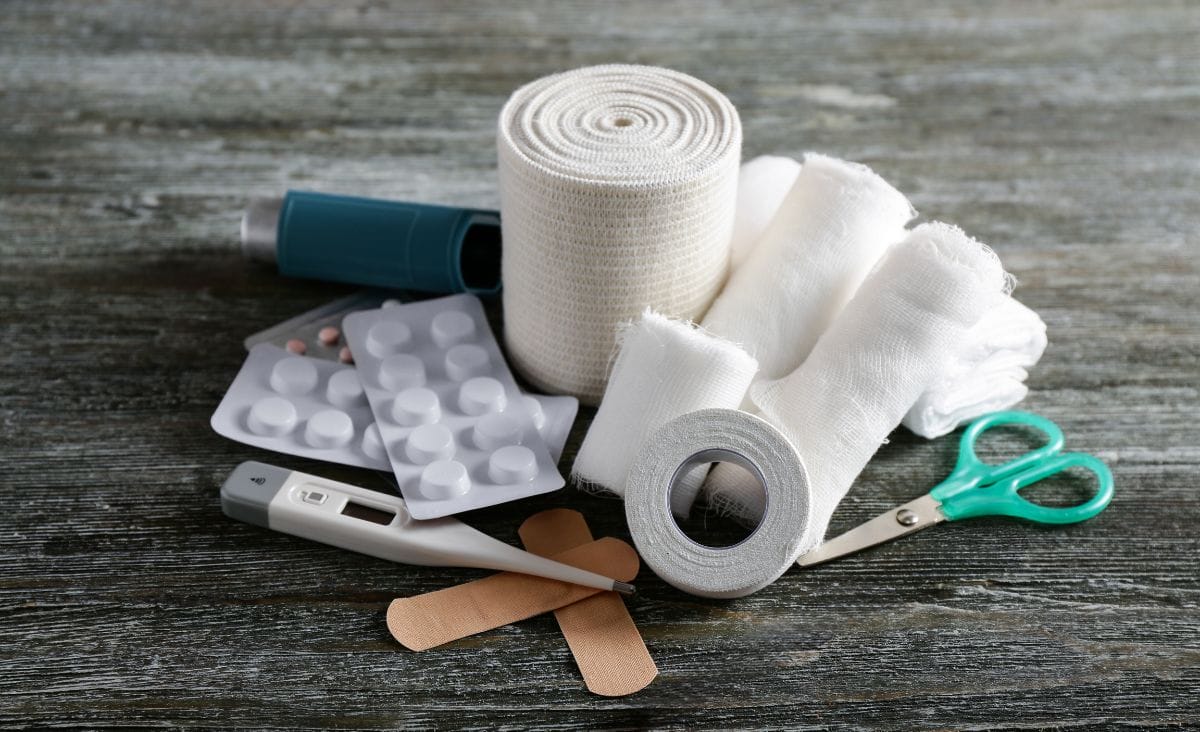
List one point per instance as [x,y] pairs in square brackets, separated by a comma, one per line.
[1066,134]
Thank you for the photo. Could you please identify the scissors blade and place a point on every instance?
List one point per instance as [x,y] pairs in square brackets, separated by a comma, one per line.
[900,521]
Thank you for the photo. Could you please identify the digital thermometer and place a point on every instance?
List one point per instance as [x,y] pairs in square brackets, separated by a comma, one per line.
[378,525]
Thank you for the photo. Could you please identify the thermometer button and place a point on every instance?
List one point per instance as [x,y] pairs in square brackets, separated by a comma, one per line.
[314,497]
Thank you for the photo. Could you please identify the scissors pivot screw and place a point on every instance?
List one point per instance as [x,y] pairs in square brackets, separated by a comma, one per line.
[905,517]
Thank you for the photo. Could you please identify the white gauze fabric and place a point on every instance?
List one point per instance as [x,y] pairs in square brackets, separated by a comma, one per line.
[833,225]
[617,193]
[986,374]
[665,368]
[878,356]
[763,183]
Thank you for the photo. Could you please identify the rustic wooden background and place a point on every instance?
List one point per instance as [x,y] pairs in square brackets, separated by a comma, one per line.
[1067,134]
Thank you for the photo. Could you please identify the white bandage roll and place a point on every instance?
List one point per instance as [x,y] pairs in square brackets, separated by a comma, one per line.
[665,368]
[986,373]
[879,355]
[833,225]
[763,183]
[695,440]
[617,193]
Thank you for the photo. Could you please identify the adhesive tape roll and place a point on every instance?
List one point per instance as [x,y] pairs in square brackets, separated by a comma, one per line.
[617,192]
[718,435]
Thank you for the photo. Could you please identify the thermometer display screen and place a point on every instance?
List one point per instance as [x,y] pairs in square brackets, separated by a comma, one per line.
[366,513]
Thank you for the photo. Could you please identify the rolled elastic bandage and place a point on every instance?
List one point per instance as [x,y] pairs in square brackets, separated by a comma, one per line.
[869,367]
[831,228]
[617,192]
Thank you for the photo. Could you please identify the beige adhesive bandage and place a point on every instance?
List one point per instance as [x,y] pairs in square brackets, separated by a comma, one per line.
[603,638]
[424,621]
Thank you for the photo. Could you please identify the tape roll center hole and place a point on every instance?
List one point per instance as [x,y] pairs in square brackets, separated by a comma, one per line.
[705,527]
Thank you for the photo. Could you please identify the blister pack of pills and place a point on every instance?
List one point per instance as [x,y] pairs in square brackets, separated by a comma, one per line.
[300,406]
[254,412]
[451,417]
[318,332]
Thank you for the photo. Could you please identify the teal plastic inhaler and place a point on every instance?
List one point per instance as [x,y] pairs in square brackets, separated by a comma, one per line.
[366,241]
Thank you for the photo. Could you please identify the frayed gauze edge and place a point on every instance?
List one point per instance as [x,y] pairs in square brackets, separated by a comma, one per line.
[839,405]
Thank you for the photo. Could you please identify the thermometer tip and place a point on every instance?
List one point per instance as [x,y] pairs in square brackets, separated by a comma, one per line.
[623,588]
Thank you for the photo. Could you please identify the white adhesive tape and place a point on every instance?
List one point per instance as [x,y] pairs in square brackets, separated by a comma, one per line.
[718,435]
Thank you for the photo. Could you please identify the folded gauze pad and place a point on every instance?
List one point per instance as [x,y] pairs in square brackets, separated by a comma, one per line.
[617,190]
[836,221]
[870,366]
[695,440]
[986,373]
[665,368]
[763,183]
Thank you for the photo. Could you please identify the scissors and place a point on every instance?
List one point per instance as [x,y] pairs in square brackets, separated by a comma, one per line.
[976,489]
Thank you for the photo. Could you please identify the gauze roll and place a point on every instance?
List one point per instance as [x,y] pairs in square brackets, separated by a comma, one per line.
[763,183]
[665,368]
[617,192]
[986,373]
[833,225]
[869,367]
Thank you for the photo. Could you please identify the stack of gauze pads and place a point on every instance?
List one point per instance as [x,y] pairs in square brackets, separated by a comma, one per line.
[617,190]
[839,323]
[430,399]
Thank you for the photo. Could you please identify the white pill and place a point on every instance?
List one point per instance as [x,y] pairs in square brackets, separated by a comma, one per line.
[272,416]
[401,371]
[481,395]
[512,464]
[328,428]
[428,443]
[466,360]
[444,479]
[344,389]
[293,375]
[496,430]
[372,443]
[534,407]
[451,327]
[387,337]
[416,406]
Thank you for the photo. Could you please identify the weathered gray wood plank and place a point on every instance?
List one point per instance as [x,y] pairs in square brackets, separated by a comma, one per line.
[131,133]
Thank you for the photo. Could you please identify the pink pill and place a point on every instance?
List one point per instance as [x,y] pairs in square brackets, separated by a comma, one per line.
[296,346]
[344,355]
[328,336]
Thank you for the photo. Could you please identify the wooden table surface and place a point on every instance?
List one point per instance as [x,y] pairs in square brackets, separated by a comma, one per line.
[1065,134]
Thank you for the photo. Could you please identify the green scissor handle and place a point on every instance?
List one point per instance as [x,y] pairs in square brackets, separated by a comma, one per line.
[977,489]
